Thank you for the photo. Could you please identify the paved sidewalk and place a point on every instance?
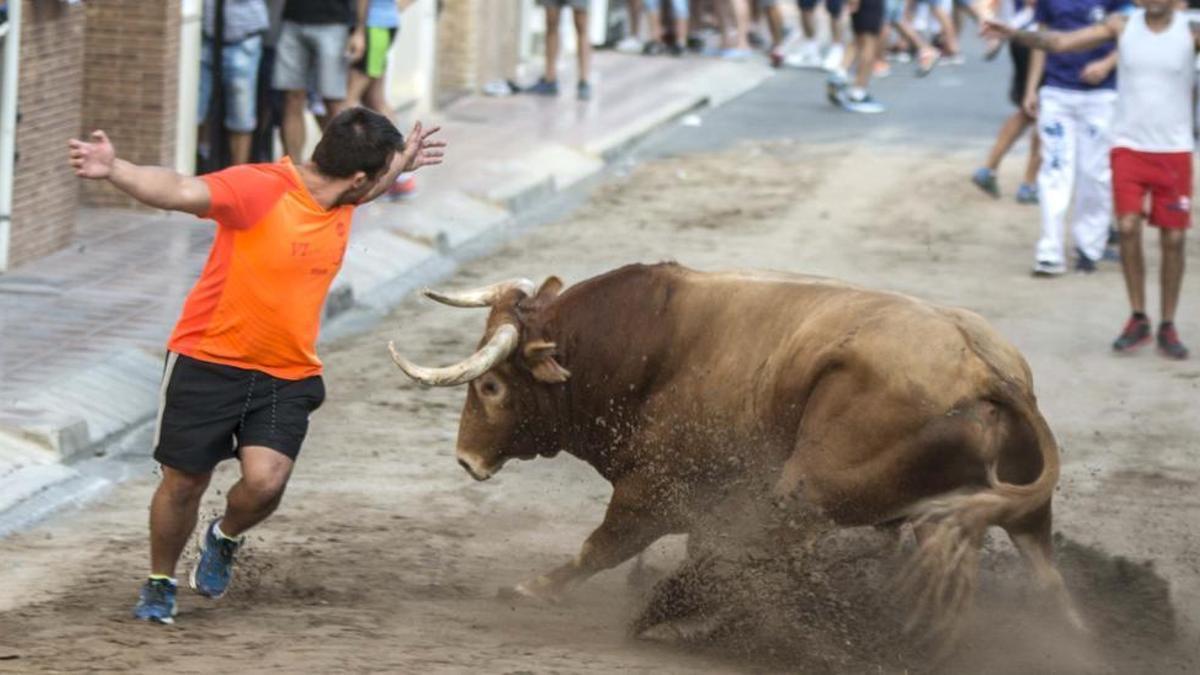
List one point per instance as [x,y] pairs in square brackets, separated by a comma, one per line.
[82,331]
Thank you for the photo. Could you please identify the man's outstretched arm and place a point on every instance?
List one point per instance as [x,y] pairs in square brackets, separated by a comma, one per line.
[151,185]
[1054,41]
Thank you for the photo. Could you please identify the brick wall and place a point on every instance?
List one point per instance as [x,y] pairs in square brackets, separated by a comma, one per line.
[130,83]
[44,189]
[457,49]
[477,42]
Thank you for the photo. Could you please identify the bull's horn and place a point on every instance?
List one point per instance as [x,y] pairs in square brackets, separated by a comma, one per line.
[500,347]
[481,297]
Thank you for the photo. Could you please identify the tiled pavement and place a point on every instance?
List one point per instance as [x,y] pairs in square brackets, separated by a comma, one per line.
[82,331]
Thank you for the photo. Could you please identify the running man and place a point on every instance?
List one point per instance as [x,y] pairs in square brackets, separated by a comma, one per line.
[1153,144]
[866,20]
[1074,108]
[1016,124]
[242,373]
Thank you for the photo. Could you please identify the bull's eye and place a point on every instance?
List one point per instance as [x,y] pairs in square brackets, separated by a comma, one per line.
[490,388]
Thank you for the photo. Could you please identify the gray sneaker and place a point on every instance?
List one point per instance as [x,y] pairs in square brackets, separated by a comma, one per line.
[583,90]
[1046,268]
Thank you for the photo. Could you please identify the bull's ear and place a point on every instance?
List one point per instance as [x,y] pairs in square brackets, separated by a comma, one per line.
[549,289]
[539,356]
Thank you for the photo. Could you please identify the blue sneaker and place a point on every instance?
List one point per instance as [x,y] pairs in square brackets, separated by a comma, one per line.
[1027,193]
[543,87]
[213,572]
[985,179]
[156,601]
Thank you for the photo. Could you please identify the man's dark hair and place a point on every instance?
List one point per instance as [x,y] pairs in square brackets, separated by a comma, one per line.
[357,139]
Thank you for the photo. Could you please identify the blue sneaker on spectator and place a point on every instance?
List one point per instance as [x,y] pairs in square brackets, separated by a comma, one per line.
[543,87]
[156,601]
[213,572]
[1027,193]
[985,179]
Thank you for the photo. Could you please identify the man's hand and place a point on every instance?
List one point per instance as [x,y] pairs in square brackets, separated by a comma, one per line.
[1030,105]
[92,159]
[356,45]
[991,29]
[852,6]
[1097,71]
[419,151]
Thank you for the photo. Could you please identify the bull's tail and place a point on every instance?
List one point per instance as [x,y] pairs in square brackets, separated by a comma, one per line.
[950,528]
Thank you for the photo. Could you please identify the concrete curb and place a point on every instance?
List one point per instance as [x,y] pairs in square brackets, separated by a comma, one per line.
[80,437]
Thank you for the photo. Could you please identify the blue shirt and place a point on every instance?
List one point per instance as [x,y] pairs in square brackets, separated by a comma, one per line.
[1062,70]
[383,14]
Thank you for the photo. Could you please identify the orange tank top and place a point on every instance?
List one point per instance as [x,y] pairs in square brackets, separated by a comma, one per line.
[258,302]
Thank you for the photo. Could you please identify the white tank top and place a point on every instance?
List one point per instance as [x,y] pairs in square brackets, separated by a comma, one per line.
[1155,74]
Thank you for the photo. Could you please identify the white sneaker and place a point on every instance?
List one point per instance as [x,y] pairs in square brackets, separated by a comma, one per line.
[808,56]
[1049,268]
[630,45]
[833,57]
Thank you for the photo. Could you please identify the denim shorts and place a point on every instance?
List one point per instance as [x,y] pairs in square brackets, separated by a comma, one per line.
[239,75]
[678,7]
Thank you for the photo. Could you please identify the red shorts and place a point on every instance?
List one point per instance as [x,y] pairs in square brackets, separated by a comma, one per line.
[1165,176]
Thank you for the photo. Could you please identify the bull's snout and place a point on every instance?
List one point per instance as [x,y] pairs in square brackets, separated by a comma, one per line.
[480,475]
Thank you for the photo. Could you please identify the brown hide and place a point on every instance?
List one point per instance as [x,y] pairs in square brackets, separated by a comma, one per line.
[683,388]
[704,374]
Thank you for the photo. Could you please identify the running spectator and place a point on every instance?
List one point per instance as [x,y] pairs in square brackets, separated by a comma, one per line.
[319,38]
[1153,140]
[772,10]
[242,372]
[548,84]
[1074,108]
[1015,125]
[809,55]
[947,38]
[927,55]
[241,50]
[866,20]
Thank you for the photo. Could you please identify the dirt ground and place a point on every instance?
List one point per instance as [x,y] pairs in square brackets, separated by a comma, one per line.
[386,556]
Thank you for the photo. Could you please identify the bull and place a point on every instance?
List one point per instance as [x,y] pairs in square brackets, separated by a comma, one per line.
[678,386]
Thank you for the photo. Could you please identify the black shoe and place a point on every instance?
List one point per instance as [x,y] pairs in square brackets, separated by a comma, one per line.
[1169,344]
[654,48]
[1135,334]
[674,49]
[1083,263]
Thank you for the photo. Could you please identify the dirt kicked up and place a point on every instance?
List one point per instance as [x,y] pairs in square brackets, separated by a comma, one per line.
[387,557]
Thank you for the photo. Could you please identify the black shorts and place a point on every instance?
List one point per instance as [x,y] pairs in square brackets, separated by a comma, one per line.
[209,411]
[1020,60]
[868,20]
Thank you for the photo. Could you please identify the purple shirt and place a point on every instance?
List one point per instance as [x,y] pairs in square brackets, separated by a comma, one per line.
[1062,70]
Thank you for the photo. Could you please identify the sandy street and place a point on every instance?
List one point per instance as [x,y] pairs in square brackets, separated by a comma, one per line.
[386,556]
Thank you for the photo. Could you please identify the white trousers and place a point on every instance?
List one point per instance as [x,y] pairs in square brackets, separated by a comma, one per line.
[1075,128]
